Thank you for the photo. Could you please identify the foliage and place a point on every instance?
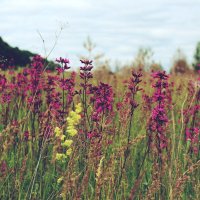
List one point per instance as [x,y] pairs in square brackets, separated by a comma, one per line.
[196,63]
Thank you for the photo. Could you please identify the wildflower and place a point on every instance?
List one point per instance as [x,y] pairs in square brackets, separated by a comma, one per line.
[64,62]
[62,137]
[85,71]
[98,173]
[86,62]
[192,135]
[78,108]
[26,135]
[133,89]
[58,131]
[74,117]
[69,151]
[3,167]
[161,75]
[60,156]
[158,121]
[102,99]
[72,131]
[73,120]
[67,143]
[59,134]
[192,131]
[60,180]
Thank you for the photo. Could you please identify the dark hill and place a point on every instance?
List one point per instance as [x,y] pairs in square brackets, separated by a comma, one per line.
[14,55]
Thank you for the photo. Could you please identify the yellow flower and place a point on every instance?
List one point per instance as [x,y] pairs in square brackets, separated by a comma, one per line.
[70,121]
[67,143]
[98,173]
[62,137]
[60,156]
[60,180]
[70,128]
[72,114]
[77,119]
[69,151]
[72,131]
[78,108]
[58,131]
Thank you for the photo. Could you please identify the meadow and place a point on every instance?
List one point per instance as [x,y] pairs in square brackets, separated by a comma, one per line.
[93,134]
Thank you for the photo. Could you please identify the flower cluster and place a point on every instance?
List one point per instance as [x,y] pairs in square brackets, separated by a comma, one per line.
[158,121]
[99,169]
[72,121]
[102,100]
[36,83]
[134,88]
[64,64]
[86,69]
[192,118]
[192,135]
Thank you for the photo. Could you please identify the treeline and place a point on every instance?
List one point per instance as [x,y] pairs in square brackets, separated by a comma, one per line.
[15,57]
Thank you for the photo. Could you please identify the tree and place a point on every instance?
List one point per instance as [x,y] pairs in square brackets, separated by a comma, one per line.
[17,56]
[196,64]
[180,65]
[143,59]
[98,59]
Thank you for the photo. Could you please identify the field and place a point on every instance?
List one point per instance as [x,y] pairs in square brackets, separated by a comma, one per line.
[94,134]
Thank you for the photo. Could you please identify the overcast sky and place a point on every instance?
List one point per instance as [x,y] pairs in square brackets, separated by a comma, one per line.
[118,27]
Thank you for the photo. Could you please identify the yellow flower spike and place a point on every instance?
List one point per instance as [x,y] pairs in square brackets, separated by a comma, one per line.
[70,127]
[78,108]
[69,151]
[60,156]
[58,131]
[72,114]
[72,132]
[98,173]
[77,118]
[62,137]
[67,143]
[60,180]
[71,121]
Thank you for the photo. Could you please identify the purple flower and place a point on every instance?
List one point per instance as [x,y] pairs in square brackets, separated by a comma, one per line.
[192,135]
[62,60]
[159,120]
[3,168]
[86,69]
[64,63]
[86,62]
[102,99]
[161,75]
[26,135]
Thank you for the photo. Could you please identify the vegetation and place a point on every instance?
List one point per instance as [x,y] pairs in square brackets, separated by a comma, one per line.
[14,57]
[196,64]
[98,135]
